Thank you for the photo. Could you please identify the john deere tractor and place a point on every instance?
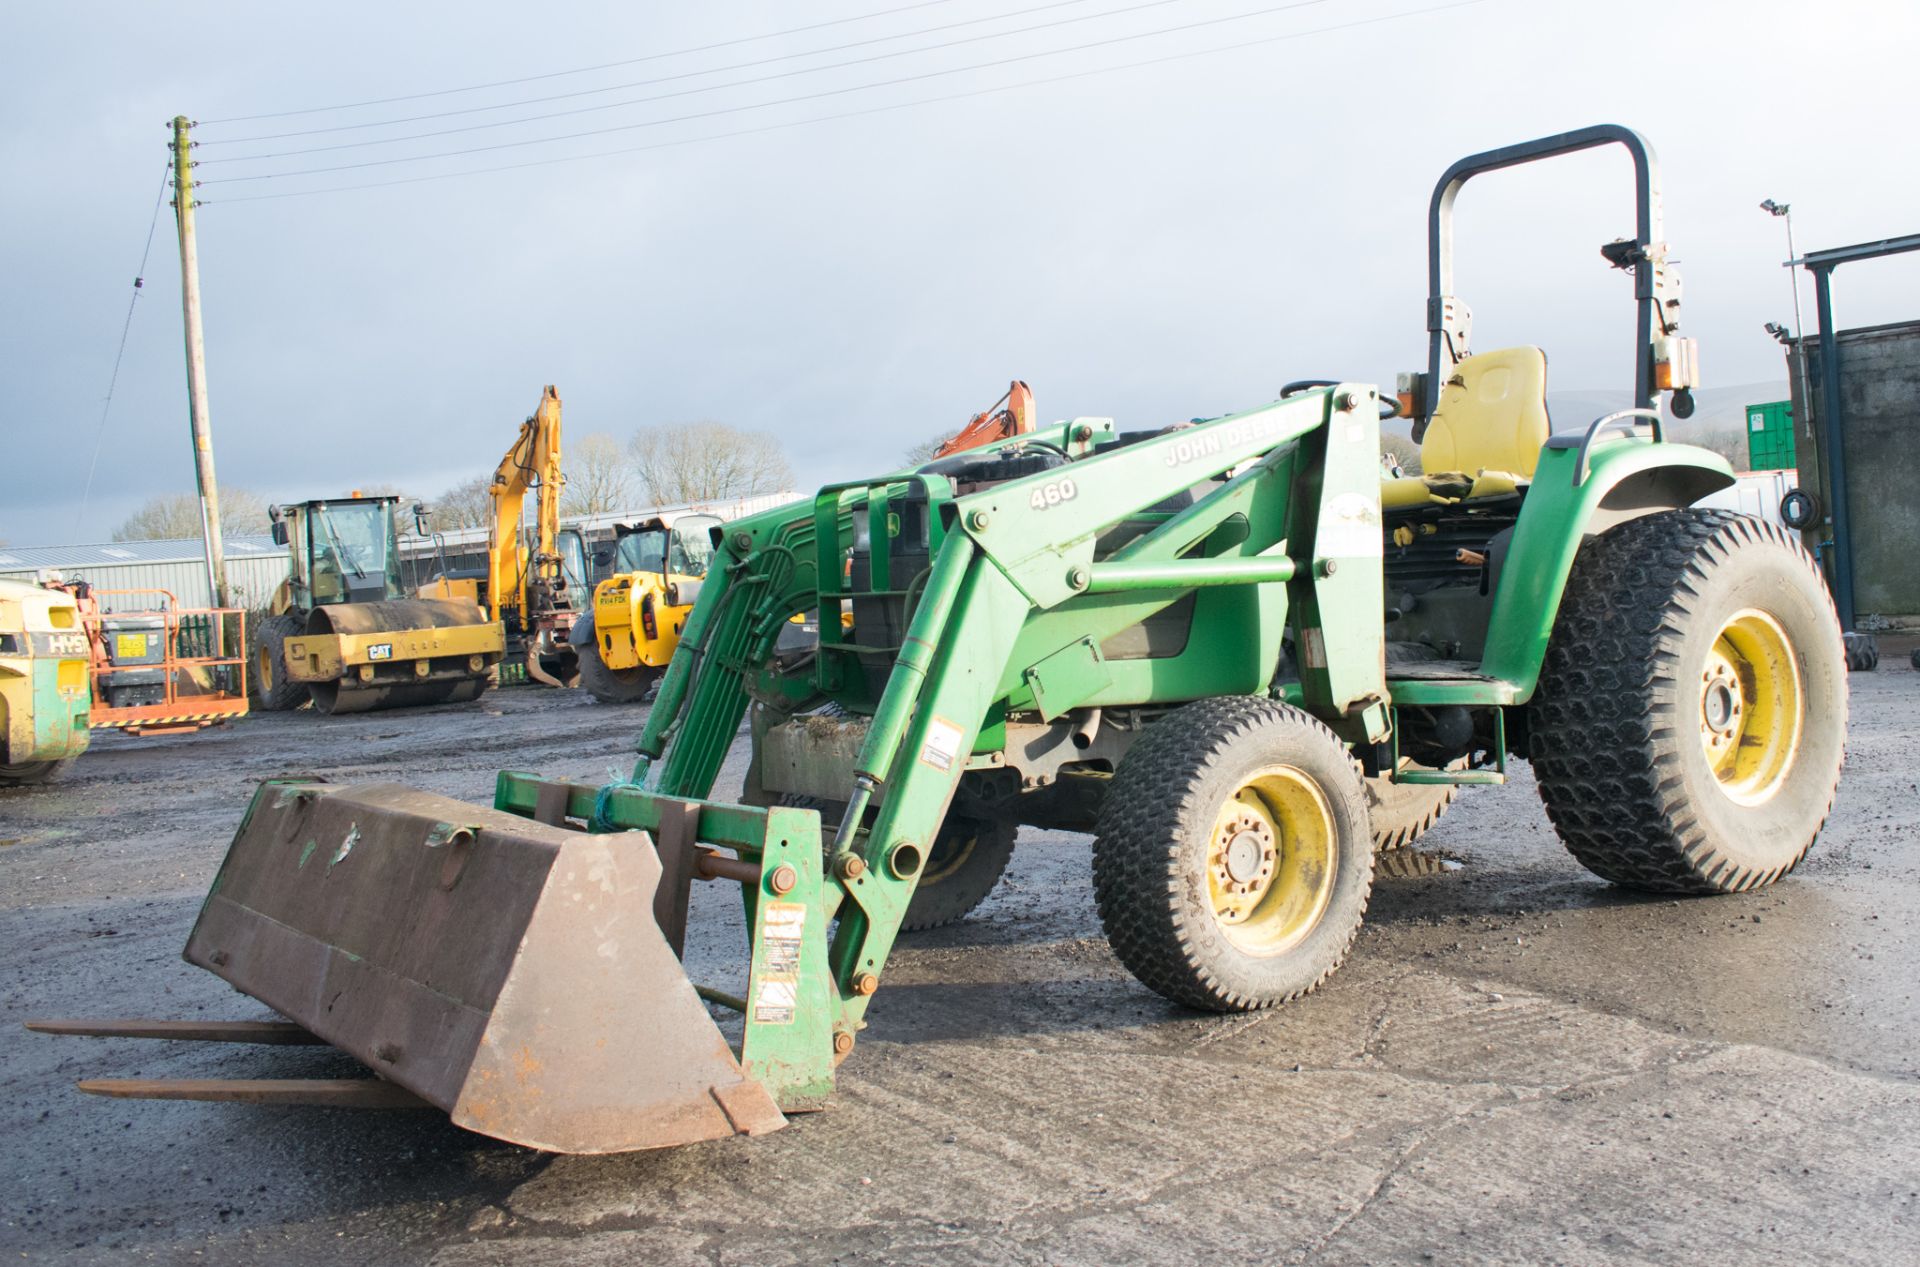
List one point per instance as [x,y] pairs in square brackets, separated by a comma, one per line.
[343,631]
[1196,642]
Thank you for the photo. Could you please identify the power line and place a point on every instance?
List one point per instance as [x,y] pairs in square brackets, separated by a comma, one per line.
[580,70]
[785,101]
[641,83]
[855,114]
[690,92]
[139,280]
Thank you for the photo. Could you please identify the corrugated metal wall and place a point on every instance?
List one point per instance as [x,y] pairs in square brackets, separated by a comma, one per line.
[251,581]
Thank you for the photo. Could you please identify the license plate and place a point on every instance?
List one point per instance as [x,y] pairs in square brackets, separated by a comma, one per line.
[380,651]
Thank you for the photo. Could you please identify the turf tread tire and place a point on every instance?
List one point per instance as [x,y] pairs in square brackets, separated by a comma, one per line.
[1401,813]
[1609,752]
[1141,883]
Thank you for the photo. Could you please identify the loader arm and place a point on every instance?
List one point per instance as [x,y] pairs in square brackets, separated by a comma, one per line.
[1010,612]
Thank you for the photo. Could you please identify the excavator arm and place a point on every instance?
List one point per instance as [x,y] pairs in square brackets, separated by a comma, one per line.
[1010,416]
[531,582]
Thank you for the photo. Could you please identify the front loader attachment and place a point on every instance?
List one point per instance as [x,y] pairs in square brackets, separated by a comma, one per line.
[510,972]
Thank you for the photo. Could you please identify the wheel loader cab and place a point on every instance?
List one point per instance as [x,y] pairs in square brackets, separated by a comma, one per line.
[1484,440]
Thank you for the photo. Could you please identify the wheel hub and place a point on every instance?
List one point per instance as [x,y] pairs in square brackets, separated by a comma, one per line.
[1750,706]
[1242,860]
[1271,859]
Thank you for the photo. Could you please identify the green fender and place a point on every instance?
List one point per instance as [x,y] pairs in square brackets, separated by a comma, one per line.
[1626,478]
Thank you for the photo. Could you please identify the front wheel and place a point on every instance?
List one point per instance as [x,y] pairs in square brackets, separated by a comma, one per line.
[1691,718]
[1233,860]
[273,690]
[615,686]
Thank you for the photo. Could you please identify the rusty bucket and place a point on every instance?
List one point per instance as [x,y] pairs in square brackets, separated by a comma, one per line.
[509,972]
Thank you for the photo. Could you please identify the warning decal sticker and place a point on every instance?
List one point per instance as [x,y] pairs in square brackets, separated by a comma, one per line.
[777,986]
[943,744]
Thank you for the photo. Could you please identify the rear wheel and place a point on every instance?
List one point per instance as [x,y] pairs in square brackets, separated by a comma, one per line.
[966,862]
[1690,721]
[615,686]
[273,691]
[1401,813]
[1233,860]
[968,857]
[21,773]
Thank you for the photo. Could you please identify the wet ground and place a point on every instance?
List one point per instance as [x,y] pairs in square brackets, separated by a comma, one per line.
[1518,1064]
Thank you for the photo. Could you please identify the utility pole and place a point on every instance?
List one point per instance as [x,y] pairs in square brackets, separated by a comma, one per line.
[197,364]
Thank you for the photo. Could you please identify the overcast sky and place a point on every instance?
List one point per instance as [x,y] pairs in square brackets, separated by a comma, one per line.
[1149,244]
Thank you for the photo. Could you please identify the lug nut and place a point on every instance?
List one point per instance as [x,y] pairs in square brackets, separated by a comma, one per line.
[743,541]
[783,879]
[852,866]
[842,1043]
[977,520]
[866,983]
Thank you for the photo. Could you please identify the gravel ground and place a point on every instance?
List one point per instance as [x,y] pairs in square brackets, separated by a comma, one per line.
[1519,1064]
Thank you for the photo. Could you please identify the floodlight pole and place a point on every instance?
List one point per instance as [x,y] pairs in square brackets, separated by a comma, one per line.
[197,364]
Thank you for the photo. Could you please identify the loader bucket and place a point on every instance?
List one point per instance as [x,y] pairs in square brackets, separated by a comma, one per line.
[510,972]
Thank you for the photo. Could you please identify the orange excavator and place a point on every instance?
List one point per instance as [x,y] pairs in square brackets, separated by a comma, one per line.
[1010,416]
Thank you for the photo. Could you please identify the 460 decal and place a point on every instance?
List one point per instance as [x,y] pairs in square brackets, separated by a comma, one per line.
[1053,493]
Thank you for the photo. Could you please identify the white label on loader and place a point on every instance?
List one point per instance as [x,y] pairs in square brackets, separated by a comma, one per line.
[774,1002]
[776,988]
[943,744]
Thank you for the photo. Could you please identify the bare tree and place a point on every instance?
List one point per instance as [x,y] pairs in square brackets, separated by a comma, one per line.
[598,476]
[922,453]
[707,462]
[468,504]
[176,516]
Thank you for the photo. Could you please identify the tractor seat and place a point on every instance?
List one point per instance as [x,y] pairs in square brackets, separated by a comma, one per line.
[1484,438]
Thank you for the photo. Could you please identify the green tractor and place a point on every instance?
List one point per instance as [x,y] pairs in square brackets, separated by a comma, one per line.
[1198,643]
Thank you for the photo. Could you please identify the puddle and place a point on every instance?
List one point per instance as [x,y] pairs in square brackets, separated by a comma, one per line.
[1412,864]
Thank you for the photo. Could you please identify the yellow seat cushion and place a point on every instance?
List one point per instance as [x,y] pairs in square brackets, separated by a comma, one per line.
[1484,439]
[1492,415]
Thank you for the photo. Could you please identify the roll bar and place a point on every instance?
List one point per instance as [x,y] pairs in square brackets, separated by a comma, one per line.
[1656,290]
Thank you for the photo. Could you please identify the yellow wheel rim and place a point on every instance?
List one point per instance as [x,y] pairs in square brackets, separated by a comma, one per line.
[265,668]
[1270,861]
[1750,707]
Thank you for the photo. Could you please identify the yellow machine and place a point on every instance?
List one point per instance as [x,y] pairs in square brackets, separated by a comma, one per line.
[45,688]
[638,612]
[345,633]
[532,579]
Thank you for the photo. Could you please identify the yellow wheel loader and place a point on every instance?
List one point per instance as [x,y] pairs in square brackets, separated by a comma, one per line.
[342,630]
[629,637]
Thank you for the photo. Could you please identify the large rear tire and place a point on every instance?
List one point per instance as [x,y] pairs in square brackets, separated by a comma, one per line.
[967,860]
[273,691]
[1233,860]
[1401,813]
[968,857]
[1690,723]
[615,686]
